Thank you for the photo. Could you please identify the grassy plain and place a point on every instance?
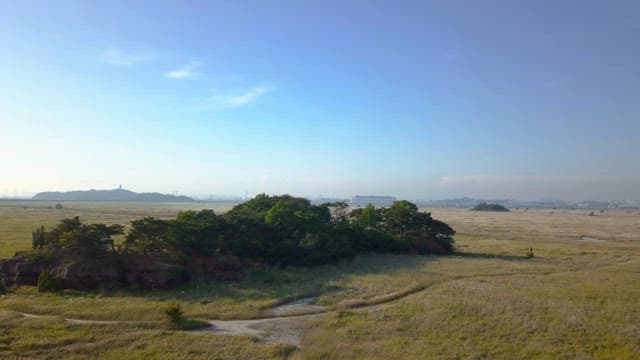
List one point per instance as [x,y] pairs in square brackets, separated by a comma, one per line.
[19,218]
[577,298]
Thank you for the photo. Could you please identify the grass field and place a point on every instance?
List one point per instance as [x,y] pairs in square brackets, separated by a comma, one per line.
[578,297]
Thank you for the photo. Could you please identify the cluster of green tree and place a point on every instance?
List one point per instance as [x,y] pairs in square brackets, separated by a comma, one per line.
[489,207]
[281,230]
[71,235]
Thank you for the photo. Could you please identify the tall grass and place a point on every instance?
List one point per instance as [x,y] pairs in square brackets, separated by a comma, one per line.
[573,299]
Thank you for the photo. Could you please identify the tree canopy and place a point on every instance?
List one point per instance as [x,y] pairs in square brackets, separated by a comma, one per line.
[283,230]
[489,207]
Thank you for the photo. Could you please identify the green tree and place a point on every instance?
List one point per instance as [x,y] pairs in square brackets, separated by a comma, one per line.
[88,240]
[47,282]
[72,236]
[428,235]
[104,234]
[198,233]
[38,238]
[400,216]
[296,216]
[175,314]
[147,235]
[490,207]
[369,218]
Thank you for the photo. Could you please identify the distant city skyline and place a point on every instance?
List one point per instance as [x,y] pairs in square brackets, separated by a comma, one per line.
[414,99]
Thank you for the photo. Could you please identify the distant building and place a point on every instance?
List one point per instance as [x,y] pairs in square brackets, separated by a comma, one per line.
[380,201]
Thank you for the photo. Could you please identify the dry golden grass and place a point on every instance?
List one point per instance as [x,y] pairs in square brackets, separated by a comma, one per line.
[577,298]
[19,218]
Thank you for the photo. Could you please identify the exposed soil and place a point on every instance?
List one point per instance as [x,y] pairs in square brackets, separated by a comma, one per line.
[73,321]
[289,320]
[279,329]
[286,325]
[591,239]
[298,307]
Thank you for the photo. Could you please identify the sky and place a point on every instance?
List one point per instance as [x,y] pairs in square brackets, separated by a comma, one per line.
[416,99]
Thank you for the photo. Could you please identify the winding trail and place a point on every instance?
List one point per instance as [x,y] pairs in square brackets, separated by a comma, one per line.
[287,329]
[288,320]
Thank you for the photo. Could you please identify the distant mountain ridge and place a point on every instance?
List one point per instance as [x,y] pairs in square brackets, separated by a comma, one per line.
[109,195]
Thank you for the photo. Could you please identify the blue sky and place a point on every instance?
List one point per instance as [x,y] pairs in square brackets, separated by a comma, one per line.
[417,99]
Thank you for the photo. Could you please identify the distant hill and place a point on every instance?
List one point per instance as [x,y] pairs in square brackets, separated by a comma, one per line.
[108,195]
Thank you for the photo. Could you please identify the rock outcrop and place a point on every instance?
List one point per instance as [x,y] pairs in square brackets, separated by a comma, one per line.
[88,274]
[149,272]
[214,268]
[18,271]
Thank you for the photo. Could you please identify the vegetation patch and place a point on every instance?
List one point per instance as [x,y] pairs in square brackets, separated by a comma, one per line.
[574,299]
[489,207]
[177,320]
[274,230]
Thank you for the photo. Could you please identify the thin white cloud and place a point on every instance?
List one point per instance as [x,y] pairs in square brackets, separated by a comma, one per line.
[125,58]
[237,100]
[188,71]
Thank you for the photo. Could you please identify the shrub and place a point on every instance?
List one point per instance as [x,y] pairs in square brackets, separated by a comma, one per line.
[175,314]
[282,351]
[47,282]
[530,254]
[281,230]
[59,206]
[490,207]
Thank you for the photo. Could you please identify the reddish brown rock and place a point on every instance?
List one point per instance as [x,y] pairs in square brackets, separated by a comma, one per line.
[18,271]
[89,274]
[214,268]
[112,270]
[151,272]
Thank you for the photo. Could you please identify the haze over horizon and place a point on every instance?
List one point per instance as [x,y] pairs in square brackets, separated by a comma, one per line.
[416,99]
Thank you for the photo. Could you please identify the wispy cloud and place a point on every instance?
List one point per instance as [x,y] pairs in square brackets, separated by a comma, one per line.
[188,71]
[125,58]
[240,99]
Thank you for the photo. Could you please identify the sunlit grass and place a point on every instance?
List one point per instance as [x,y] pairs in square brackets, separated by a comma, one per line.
[573,299]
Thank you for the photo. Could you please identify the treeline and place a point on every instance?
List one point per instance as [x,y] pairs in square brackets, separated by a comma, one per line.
[282,230]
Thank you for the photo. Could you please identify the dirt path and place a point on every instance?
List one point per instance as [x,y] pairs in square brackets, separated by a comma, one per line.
[287,324]
[290,319]
[73,321]
[280,329]
[302,306]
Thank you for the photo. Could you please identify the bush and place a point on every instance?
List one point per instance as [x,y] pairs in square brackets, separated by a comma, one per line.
[47,282]
[59,206]
[530,254]
[282,351]
[175,314]
[280,230]
[490,207]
